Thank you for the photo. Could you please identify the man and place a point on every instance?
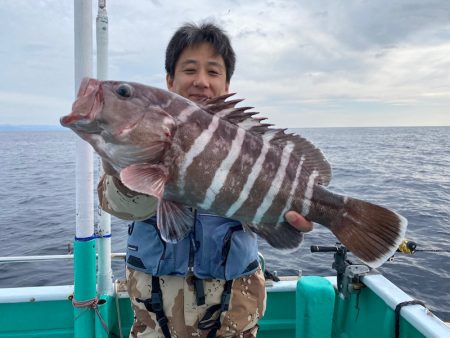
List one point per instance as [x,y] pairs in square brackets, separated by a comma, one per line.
[210,283]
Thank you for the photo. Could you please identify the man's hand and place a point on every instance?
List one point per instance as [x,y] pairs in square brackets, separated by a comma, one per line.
[298,221]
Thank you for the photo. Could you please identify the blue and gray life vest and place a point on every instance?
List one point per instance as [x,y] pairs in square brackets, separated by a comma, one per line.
[217,248]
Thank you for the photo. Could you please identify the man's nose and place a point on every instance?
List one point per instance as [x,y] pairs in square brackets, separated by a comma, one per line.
[201,81]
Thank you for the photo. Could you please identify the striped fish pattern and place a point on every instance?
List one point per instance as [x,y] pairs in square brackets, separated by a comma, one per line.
[221,158]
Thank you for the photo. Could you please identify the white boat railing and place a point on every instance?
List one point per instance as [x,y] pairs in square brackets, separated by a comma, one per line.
[40,258]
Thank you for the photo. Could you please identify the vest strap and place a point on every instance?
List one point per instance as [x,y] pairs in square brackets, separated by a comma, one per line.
[211,322]
[227,242]
[155,305]
[199,290]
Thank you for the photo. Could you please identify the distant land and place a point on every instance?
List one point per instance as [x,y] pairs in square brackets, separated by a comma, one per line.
[30,127]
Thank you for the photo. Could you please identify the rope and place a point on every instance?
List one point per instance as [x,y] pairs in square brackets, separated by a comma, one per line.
[116,293]
[90,303]
[398,308]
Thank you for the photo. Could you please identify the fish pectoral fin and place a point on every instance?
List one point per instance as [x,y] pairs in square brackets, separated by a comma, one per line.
[175,221]
[148,179]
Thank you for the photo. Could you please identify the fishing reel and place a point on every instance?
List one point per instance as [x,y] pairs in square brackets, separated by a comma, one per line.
[407,247]
[348,274]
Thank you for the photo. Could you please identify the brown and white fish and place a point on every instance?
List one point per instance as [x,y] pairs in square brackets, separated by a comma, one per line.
[219,158]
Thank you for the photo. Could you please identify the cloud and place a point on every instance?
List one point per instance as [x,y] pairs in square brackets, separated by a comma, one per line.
[303,59]
[365,24]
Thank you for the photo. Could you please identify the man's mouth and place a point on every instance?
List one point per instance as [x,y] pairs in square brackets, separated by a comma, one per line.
[198,97]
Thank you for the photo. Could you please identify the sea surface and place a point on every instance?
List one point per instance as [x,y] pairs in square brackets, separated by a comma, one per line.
[407,169]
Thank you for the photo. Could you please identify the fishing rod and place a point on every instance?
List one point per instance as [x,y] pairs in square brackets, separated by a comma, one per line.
[341,262]
[406,247]
[349,273]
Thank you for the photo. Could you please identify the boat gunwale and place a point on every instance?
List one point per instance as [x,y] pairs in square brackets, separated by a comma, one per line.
[425,321]
[420,317]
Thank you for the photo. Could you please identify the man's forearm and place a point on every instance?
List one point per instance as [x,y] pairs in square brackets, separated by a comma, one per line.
[118,200]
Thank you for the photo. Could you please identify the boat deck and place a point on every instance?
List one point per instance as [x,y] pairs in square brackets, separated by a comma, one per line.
[305,307]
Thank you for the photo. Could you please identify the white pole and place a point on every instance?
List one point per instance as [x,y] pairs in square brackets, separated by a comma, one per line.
[84,245]
[105,276]
[84,156]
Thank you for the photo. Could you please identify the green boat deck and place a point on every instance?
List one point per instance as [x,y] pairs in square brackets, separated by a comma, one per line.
[309,307]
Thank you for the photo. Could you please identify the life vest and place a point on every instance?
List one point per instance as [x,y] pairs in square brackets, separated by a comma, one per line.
[216,248]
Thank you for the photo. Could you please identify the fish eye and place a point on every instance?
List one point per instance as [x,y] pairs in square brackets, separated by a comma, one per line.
[124,90]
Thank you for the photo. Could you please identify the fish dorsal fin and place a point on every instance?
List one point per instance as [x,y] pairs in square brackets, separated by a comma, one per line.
[313,158]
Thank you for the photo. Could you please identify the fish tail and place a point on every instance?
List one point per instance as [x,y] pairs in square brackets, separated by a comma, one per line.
[371,232]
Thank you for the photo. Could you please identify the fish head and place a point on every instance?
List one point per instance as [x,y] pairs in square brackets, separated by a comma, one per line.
[123,121]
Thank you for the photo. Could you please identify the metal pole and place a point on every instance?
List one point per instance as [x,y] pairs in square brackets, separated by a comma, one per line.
[105,277]
[84,246]
[105,283]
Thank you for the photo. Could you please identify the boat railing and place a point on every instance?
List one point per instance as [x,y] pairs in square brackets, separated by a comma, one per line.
[40,258]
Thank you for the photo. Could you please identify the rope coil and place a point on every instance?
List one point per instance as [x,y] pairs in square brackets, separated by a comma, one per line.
[93,304]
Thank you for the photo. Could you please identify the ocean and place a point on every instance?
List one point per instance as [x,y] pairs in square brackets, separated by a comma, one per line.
[404,168]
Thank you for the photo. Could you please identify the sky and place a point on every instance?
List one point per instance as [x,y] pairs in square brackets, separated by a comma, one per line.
[322,63]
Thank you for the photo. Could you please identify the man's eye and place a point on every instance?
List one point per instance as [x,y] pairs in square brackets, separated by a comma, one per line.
[189,71]
[124,90]
[213,73]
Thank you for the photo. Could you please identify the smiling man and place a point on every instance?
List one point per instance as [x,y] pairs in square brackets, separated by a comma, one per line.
[200,74]
[210,283]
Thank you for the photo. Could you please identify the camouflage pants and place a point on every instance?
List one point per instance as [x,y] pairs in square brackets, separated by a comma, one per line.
[247,305]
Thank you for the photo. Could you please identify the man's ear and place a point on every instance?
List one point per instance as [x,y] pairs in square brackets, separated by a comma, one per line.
[169,81]
[227,87]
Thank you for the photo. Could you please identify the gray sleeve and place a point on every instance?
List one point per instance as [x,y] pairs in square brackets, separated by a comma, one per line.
[118,200]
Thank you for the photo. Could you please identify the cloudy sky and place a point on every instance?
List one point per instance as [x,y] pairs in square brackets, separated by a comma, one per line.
[320,63]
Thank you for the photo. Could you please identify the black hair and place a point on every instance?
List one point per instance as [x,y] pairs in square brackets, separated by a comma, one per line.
[190,35]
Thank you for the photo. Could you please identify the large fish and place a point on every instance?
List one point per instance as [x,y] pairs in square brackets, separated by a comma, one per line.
[217,157]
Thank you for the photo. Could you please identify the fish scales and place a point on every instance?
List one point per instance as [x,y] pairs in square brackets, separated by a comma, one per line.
[275,186]
[261,185]
[218,157]
[198,123]
[241,149]
[250,179]
[200,173]
[218,148]
[223,170]
[288,192]
[195,122]
[233,186]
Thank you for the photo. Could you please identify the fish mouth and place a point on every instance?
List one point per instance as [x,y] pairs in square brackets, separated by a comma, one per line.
[88,104]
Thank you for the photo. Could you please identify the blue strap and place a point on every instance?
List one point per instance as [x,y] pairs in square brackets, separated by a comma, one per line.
[94,236]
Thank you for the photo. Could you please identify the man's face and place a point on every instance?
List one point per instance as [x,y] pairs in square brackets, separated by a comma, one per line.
[199,73]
